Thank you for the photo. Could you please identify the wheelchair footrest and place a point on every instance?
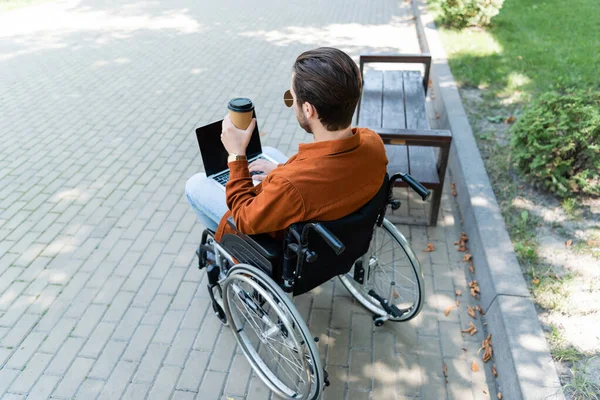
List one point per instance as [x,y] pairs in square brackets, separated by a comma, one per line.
[389,308]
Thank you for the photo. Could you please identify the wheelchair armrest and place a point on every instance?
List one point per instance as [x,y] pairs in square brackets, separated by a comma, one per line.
[266,245]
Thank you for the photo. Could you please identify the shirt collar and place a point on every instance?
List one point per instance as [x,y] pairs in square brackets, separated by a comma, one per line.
[329,147]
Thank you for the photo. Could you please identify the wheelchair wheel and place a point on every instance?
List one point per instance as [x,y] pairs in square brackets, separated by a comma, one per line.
[391,260]
[272,334]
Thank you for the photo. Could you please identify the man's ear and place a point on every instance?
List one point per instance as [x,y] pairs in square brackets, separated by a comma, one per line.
[309,110]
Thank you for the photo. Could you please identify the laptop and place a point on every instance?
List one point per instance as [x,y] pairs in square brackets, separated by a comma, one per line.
[214,154]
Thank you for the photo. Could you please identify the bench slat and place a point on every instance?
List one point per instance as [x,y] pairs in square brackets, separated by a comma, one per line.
[370,105]
[393,115]
[397,155]
[422,160]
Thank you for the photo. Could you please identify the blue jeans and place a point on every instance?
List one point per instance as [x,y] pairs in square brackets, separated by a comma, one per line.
[207,197]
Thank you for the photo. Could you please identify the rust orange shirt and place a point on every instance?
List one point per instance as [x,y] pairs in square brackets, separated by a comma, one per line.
[324,181]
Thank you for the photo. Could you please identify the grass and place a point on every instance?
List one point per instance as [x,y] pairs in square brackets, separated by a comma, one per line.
[581,387]
[571,208]
[531,45]
[550,290]
[559,351]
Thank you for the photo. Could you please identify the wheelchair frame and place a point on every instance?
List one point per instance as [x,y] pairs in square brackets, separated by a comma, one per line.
[296,253]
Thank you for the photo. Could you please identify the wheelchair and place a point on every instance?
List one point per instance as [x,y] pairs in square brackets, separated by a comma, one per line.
[252,279]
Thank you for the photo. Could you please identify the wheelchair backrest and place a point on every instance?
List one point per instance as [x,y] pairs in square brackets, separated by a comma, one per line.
[354,231]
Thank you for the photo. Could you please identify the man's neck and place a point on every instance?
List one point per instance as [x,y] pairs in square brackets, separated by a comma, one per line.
[322,135]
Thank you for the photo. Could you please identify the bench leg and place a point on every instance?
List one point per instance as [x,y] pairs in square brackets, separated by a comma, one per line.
[436,199]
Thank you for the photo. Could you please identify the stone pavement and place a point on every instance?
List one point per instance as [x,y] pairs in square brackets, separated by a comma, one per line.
[99,293]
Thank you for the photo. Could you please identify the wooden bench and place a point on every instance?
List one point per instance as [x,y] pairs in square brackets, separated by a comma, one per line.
[393,105]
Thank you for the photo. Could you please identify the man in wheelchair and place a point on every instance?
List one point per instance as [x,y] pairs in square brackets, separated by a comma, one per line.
[264,241]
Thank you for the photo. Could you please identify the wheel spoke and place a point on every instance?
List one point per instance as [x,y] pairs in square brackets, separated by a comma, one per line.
[270,333]
[390,262]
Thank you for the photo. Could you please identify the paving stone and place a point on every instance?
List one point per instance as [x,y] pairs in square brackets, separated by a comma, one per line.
[224,350]
[165,382]
[31,373]
[237,380]
[73,378]
[116,384]
[7,376]
[18,333]
[118,307]
[193,371]
[257,390]
[97,340]
[65,356]
[157,310]
[136,391]
[25,351]
[108,360]
[180,348]
[44,387]
[128,324]
[90,389]
[212,385]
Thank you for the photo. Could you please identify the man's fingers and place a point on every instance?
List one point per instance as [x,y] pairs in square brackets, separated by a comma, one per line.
[257,165]
[250,128]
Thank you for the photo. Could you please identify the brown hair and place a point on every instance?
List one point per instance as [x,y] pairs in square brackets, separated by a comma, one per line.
[330,80]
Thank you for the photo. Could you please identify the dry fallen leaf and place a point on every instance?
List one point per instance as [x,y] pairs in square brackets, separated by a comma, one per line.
[520,57]
[499,396]
[430,83]
[437,116]
[471,330]
[453,186]
[457,303]
[480,309]
[536,281]
[494,370]
[510,120]
[474,367]
[462,243]
[430,248]
[458,292]
[474,289]
[445,370]
[447,310]
[471,312]
[485,391]
[471,268]
[486,345]
[568,243]
[467,257]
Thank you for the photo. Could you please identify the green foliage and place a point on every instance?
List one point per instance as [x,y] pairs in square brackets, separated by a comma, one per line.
[462,13]
[556,142]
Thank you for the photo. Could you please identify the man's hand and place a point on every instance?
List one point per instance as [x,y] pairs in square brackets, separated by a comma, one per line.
[236,140]
[263,166]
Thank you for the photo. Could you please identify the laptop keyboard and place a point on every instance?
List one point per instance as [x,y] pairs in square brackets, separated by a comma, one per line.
[224,177]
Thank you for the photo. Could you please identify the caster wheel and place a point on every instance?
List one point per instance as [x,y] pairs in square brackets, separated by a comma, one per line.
[378,320]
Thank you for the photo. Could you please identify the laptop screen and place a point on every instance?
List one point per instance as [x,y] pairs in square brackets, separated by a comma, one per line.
[214,154]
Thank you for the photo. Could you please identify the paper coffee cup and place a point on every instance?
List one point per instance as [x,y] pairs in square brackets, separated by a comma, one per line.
[240,112]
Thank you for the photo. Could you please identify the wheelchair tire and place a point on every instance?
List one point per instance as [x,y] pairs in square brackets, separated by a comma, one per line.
[272,334]
[392,260]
